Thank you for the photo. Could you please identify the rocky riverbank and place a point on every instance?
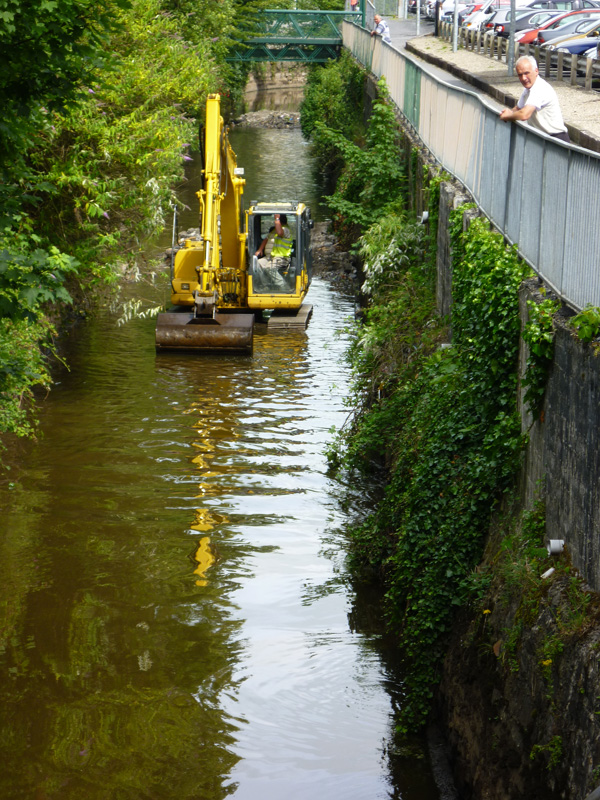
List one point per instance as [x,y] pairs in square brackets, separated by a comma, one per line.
[268,119]
[337,266]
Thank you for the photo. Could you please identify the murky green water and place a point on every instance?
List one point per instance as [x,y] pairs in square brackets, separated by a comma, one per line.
[176,619]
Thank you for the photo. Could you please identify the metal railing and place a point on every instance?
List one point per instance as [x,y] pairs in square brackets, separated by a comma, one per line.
[540,193]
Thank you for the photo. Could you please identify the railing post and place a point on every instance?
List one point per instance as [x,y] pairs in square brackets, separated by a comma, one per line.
[574,59]
[559,65]
[547,63]
[589,71]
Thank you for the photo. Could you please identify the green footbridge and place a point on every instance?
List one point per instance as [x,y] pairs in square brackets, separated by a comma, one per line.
[293,35]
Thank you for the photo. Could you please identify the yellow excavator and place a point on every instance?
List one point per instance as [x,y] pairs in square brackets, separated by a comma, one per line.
[219,286]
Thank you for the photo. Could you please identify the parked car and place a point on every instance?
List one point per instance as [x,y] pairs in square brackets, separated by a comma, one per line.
[576,26]
[583,30]
[498,18]
[412,6]
[564,5]
[447,13]
[466,12]
[523,20]
[530,36]
[580,45]
[479,19]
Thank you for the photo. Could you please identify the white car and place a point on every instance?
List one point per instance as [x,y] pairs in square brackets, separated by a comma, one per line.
[477,20]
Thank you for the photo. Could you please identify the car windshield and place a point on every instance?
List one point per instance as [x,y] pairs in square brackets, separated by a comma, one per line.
[588,25]
[564,21]
[539,19]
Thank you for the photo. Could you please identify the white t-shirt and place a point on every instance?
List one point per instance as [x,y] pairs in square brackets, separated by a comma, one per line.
[547,116]
[383,30]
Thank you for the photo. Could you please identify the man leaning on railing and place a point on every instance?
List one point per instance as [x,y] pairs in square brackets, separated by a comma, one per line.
[381,29]
[538,104]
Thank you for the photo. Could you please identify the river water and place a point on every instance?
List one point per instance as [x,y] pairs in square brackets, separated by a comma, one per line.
[176,619]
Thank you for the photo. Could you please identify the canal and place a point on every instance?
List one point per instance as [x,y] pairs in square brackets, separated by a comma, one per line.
[176,617]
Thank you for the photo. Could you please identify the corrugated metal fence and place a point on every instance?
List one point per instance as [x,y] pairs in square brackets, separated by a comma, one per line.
[542,194]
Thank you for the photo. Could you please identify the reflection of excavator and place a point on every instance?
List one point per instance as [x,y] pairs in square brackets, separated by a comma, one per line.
[218,286]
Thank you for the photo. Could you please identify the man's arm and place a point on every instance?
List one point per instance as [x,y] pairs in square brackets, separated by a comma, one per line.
[261,249]
[278,226]
[513,114]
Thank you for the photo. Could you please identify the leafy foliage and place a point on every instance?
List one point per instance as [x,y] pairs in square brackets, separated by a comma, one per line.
[50,50]
[106,169]
[333,99]
[587,323]
[23,368]
[31,276]
[539,335]
[453,445]
[372,175]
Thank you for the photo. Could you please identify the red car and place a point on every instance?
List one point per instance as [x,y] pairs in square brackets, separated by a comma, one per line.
[530,36]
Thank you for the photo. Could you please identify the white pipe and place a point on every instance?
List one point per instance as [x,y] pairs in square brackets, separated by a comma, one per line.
[555,546]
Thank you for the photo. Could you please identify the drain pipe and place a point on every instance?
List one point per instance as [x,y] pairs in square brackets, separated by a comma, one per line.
[555,546]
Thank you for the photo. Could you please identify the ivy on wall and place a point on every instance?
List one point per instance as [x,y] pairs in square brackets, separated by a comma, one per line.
[453,445]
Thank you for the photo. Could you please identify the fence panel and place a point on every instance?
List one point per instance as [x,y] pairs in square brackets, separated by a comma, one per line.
[542,194]
[552,228]
[582,244]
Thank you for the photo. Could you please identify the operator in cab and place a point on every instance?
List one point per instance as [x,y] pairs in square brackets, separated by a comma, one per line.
[276,248]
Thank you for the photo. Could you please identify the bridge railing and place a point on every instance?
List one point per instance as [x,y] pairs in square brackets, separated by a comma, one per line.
[292,35]
[542,194]
[283,26]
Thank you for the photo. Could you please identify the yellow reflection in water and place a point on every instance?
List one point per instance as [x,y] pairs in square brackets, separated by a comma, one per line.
[204,520]
[204,558]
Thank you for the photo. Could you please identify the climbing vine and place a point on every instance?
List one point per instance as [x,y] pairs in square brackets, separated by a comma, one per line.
[587,323]
[538,332]
[453,445]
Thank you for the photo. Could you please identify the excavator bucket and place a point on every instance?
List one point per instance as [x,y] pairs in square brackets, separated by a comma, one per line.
[181,330]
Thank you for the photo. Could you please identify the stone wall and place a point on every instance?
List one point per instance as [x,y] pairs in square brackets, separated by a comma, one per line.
[276,76]
[564,448]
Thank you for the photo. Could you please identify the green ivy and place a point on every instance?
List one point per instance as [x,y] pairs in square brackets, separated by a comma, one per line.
[587,323]
[538,332]
[553,749]
[333,101]
[446,421]
[372,174]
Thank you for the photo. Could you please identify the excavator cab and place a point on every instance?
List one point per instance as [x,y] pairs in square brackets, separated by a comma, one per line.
[278,283]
